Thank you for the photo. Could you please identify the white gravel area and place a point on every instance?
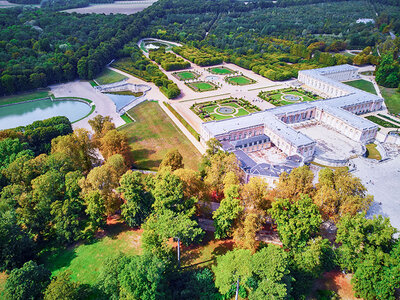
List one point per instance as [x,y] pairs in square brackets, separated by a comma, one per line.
[382,181]
[83,89]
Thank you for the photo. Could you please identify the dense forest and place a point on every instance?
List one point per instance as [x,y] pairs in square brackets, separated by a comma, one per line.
[39,48]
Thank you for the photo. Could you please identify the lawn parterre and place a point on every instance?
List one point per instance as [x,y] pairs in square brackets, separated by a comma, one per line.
[221,70]
[392,100]
[109,76]
[282,97]
[382,122]
[223,109]
[21,97]
[153,134]
[202,86]
[185,75]
[362,85]
[239,80]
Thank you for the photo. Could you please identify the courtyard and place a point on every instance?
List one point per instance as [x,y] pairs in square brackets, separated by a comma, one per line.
[330,143]
[271,155]
[223,109]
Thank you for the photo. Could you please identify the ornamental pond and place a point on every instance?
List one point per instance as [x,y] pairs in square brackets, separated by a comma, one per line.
[25,113]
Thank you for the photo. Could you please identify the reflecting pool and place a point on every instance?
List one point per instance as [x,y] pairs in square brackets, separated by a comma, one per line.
[22,114]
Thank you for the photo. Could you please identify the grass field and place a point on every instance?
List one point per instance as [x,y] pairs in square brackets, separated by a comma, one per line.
[85,260]
[372,152]
[185,75]
[220,70]
[240,80]
[202,86]
[362,85]
[153,134]
[392,99]
[382,122]
[109,76]
[43,93]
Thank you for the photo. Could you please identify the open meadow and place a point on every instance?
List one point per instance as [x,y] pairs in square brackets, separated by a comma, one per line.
[151,136]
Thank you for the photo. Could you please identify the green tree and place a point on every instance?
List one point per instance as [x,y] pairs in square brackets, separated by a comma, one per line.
[270,267]
[370,280]
[62,288]
[16,247]
[227,212]
[27,282]
[143,278]
[230,267]
[137,201]
[357,235]
[296,221]
[108,281]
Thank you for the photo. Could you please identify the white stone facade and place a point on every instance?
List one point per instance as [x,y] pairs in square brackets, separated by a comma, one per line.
[338,112]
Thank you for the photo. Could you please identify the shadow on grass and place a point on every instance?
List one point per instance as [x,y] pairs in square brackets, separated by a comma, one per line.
[206,252]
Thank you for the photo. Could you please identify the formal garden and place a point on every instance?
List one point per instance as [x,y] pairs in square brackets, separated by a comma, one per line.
[223,109]
[220,70]
[185,75]
[287,96]
[202,86]
[239,80]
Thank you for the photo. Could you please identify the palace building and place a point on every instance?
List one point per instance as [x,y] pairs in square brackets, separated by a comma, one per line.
[276,127]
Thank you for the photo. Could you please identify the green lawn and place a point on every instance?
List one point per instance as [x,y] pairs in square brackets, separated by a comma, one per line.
[202,86]
[85,260]
[221,70]
[185,75]
[362,85]
[240,80]
[372,152]
[382,122]
[43,93]
[109,76]
[392,99]
[153,134]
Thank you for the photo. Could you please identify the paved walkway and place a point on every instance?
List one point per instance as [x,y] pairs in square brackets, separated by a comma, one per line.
[104,105]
